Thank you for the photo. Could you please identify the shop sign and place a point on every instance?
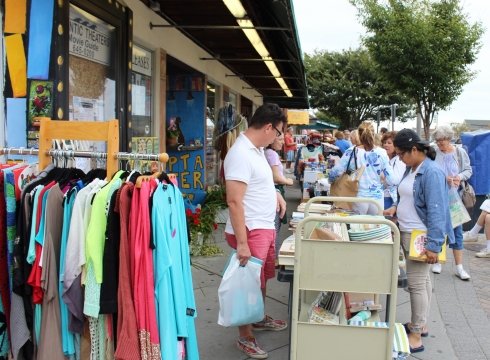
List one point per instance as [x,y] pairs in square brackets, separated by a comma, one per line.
[142,61]
[89,40]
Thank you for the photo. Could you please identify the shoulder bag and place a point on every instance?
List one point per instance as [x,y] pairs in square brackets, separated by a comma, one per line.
[467,192]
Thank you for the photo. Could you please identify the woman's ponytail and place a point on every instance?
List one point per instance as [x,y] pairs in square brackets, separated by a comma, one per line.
[430,152]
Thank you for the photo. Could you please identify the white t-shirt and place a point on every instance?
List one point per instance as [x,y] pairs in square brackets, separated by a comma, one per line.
[246,163]
[408,219]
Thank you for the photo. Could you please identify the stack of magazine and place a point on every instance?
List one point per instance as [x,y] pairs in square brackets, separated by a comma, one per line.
[326,308]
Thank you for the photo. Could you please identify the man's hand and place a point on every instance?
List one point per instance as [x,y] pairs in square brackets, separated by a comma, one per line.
[432,257]
[281,205]
[243,253]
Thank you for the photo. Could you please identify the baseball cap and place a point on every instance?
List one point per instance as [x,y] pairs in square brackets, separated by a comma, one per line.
[407,138]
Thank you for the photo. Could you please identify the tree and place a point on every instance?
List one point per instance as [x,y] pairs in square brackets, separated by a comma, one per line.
[424,49]
[459,128]
[347,87]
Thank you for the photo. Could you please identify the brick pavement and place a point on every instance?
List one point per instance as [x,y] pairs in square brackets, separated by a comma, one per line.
[480,274]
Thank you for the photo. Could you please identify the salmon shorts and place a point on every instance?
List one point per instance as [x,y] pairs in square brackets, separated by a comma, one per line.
[262,246]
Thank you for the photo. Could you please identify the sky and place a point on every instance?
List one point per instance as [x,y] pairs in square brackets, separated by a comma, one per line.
[332,25]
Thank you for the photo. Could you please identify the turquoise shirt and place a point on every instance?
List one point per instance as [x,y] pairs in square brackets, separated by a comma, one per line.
[174,295]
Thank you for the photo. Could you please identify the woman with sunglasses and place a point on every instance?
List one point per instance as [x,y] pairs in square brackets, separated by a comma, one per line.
[422,205]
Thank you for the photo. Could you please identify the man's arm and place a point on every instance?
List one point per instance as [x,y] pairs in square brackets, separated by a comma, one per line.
[235,191]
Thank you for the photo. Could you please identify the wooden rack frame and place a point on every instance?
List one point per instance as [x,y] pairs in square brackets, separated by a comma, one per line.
[82,130]
[107,131]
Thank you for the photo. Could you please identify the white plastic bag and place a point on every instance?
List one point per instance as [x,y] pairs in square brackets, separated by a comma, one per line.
[240,296]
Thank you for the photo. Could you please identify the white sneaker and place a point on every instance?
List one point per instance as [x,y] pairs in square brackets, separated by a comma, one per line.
[436,268]
[485,253]
[462,274]
[467,236]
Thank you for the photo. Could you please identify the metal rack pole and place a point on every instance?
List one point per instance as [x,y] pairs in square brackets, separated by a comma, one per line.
[163,157]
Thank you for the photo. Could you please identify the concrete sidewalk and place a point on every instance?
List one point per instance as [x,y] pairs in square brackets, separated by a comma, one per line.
[458,321]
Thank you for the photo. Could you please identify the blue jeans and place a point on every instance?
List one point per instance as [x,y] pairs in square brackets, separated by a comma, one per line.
[458,237]
[388,202]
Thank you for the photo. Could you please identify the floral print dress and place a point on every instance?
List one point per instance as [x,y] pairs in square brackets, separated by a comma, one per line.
[376,162]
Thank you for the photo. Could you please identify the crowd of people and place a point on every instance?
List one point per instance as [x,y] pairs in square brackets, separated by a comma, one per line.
[408,177]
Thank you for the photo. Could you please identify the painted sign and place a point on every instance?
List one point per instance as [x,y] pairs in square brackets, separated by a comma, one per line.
[141,60]
[88,39]
[189,164]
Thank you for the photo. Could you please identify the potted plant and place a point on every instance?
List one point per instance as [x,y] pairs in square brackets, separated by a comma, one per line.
[202,222]
[172,132]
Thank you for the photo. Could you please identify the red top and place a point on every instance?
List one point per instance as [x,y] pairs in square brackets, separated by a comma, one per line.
[127,330]
[289,143]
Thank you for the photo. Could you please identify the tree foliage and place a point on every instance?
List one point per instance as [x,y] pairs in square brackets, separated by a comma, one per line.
[347,87]
[424,49]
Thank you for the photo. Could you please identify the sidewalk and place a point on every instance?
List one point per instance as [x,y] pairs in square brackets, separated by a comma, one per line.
[458,322]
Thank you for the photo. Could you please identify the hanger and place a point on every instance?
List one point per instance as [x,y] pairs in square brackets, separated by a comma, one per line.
[143,178]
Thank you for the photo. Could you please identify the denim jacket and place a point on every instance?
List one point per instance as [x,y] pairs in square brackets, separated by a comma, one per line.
[431,199]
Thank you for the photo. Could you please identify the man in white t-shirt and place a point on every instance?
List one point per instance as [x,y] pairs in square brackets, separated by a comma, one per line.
[253,202]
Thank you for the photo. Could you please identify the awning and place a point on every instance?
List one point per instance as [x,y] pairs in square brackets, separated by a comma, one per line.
[319,125]
[298,117]
[214,28]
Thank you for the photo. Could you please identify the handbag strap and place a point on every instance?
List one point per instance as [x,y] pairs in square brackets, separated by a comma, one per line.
[350,158]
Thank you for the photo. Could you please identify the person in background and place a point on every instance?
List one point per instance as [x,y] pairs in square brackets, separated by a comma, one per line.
[383,131]
[290,148]
[279,181]
[341,143]
[354,137]
[253,202]
[347,135]
[455,163]
[483,222]
[376,164]
[399,167]
[422,205]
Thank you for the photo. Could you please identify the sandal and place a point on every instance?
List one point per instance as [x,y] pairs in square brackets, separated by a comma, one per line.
[407,330]
[269,324]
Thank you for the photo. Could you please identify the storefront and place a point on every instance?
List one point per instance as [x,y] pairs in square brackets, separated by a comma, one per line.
[149,64]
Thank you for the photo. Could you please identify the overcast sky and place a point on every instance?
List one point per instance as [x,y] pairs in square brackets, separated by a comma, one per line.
[332,25]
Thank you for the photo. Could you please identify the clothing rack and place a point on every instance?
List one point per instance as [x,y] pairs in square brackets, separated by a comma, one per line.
[107,131]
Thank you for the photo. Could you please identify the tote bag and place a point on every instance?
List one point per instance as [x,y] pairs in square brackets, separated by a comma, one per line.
[348,183]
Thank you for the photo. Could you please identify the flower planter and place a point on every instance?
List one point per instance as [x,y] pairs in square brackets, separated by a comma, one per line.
[172,141]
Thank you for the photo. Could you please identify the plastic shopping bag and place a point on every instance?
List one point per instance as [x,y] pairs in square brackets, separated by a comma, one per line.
[459,214]
[240,296]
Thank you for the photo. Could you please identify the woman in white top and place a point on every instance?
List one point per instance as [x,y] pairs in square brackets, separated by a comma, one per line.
[399,167]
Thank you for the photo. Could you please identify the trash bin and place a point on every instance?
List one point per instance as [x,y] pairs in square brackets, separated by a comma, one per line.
[477,144]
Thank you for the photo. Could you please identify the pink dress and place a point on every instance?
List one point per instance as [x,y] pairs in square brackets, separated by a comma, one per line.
[143,285]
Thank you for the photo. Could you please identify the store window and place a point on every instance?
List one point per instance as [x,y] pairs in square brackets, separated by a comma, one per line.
[141,131]
[92,92]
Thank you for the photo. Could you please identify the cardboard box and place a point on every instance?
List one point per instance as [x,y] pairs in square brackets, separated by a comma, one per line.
[324,234]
